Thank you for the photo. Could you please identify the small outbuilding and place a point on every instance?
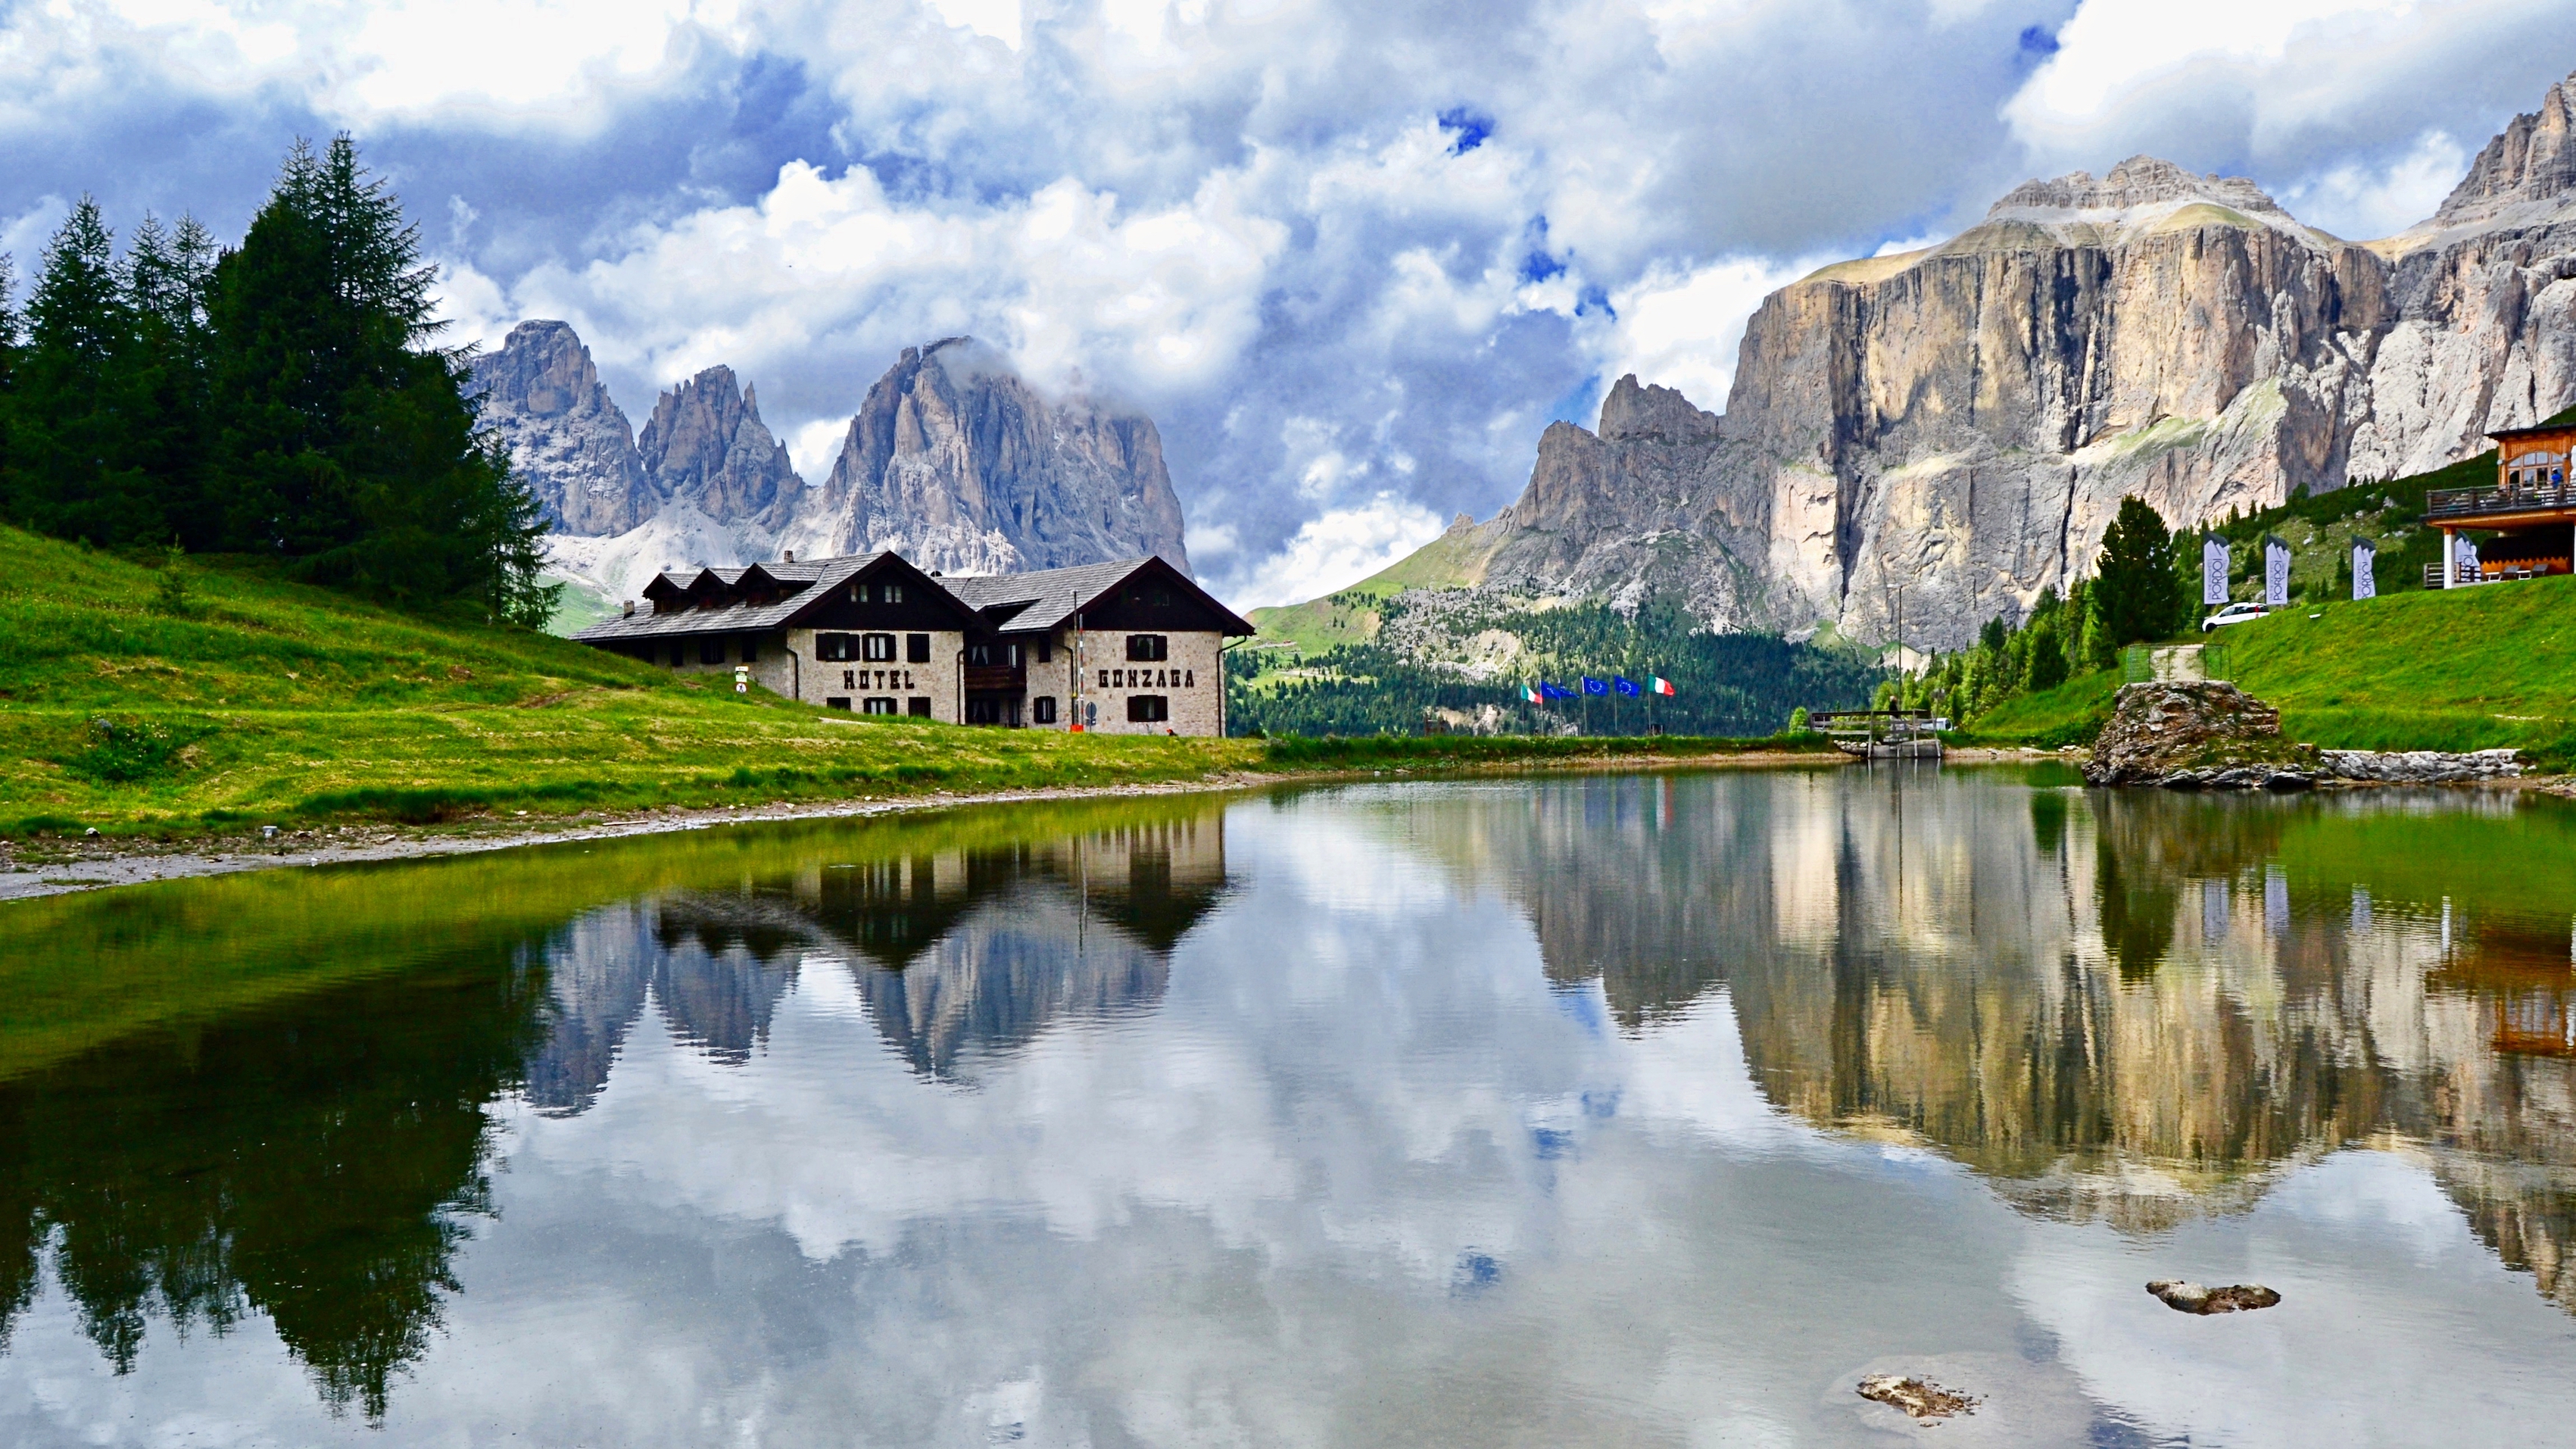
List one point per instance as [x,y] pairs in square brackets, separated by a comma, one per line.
[1131,647]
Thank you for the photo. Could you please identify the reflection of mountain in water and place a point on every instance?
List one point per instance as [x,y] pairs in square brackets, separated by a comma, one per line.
[2134,1007]
[955,952]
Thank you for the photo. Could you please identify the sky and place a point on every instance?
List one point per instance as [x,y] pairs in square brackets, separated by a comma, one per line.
[1352,257]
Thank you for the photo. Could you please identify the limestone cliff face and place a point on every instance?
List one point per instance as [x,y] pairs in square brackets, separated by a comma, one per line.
[965,468]
[2485,335]
[564,434]
[706,445]
[1960,424]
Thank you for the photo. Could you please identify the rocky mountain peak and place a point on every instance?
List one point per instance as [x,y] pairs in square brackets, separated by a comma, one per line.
[545,403]
[2137,183]
[2532,160]
[1635,413]
[958,462]
[706,443]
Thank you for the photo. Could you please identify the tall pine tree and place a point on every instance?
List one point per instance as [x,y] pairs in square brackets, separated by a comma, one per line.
[167,273]
[73,467]
[2137,587]
[345,440]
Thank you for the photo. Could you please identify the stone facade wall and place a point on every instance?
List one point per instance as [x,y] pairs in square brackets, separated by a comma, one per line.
[856,680]
[1191,678]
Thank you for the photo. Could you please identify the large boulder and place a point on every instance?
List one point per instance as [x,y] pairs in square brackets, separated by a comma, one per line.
[2197,733]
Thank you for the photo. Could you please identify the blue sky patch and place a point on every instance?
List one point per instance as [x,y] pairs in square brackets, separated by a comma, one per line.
[1471,127]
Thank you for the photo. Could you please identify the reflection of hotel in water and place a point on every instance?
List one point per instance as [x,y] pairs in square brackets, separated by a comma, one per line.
[958,953]
[2126,1007]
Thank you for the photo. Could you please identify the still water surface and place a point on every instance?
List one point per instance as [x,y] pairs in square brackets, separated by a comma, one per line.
[1613,1110]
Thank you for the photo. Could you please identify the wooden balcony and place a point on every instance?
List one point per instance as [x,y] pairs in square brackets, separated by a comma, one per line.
[2501,506]
[1003,677]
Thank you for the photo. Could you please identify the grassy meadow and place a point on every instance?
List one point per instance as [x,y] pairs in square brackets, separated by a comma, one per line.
[253,700]
[2463,669]
[261,700]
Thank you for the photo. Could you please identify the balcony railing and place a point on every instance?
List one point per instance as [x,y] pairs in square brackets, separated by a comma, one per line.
[2510,498]
[981,677]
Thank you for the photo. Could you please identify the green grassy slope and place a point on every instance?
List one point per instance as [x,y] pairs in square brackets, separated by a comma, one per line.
[1456,559]
[276,701]
[2444,670]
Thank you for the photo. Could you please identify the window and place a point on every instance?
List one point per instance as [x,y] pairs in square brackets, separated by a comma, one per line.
[1042,709]
[918,706]
[832,648]
[892,593]
[1148,708]
[879,704]
[877,648]
[750,649]
[988,709]
[1147,648]
[1046,650]
[838,701]
[675,656]
[993,656]
[711,651]
[916,649]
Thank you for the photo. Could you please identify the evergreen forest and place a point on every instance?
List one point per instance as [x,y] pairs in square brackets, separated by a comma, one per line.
[282,399]
[1725,684]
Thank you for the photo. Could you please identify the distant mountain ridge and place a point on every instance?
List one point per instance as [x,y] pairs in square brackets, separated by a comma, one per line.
[1960,423]
[951,458]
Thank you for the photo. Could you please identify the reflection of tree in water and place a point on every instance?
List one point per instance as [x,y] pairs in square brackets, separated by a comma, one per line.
[955,952]
[313,1163]
[2113,1006]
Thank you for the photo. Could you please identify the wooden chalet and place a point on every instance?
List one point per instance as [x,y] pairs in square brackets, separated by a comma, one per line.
[2530,509]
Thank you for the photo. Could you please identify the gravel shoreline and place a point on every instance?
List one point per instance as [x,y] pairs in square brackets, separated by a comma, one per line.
[32,870]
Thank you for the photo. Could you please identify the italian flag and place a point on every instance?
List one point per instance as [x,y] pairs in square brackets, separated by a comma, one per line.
[1529,694]
[1657,684]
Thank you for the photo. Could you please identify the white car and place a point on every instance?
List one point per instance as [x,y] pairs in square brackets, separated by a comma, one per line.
[2233,614]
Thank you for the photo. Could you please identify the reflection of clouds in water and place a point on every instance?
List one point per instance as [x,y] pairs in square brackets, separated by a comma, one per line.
[1531,1117]
[2396,1324]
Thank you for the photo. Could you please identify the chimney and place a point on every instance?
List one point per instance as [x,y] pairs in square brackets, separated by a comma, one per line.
[630,610]
[789,555]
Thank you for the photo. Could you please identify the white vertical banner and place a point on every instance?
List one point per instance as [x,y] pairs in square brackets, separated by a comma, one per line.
[2365,560]
[2467,554]
[2213,569]
[2276,573]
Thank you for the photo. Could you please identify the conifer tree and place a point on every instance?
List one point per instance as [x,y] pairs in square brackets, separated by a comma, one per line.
[346,438]
[2136,586]
[166,275]
[72,465]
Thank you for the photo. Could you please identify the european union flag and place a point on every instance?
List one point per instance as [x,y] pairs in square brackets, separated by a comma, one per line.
[1594,686]
[1626,685]
[1555,691]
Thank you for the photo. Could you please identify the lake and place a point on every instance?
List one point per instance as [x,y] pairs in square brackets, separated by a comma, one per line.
[1617,1109]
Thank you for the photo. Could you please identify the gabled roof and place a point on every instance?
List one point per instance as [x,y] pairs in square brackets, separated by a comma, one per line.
[1047,600]
[1031,603]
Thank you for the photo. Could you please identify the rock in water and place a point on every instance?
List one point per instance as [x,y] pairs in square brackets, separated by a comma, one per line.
[1919,1398]
[2197,733]
[564,435]
[965,468]
[2193,1298]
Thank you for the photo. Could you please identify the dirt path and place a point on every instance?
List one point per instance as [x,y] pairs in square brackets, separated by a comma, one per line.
[30,869]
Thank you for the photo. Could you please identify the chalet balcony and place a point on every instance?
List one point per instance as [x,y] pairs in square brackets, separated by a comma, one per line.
[996,677]
[2503,504]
